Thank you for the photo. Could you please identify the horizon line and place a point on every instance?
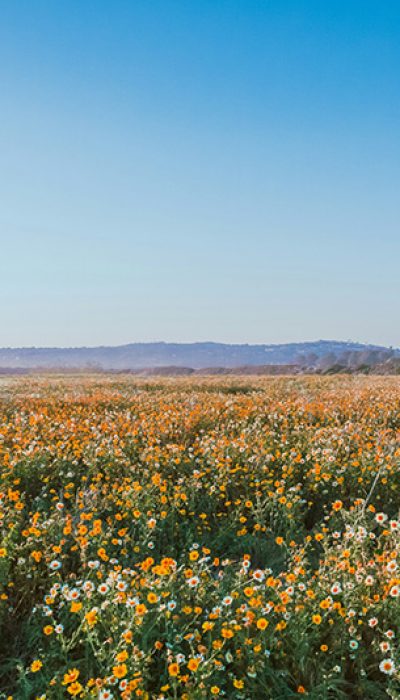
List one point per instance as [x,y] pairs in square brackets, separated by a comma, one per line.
[196,342]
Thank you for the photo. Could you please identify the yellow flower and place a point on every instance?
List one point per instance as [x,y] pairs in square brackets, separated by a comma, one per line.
[207,626]
[75,688]
[36,665]
[262,623]
[173,669]
[71,676]
[120,671]
[91,617]
[193,664]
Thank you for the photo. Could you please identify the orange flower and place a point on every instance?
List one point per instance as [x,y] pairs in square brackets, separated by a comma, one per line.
[173,669]
[76,606]
[75,688]
[193,664]
[36,555]
[262,623]
[91,617]
[36,665]
[71,676]
[120,671]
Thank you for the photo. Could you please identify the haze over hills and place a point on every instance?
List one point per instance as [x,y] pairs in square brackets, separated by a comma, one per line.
[199,355]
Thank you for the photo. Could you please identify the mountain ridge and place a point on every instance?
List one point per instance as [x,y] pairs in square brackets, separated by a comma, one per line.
[198,355]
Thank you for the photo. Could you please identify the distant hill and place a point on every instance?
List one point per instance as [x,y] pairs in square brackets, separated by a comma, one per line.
[134,356]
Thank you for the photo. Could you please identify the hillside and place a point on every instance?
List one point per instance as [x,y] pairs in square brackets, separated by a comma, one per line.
[194,355]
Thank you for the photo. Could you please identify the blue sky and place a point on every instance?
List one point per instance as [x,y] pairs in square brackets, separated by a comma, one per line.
[200,170]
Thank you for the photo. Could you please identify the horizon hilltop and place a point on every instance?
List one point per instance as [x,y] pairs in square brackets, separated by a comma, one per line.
[197,355]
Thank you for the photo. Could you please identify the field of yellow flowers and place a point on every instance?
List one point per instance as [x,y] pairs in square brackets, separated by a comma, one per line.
[209,538]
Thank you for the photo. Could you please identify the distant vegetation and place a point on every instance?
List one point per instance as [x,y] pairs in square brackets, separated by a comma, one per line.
[366,361]
[211,358]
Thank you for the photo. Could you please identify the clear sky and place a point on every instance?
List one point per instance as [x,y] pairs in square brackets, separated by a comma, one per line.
[186,170]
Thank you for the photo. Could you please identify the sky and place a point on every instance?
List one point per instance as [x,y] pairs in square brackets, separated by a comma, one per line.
[223,170]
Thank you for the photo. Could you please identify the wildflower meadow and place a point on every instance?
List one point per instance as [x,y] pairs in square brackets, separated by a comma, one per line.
[201,538]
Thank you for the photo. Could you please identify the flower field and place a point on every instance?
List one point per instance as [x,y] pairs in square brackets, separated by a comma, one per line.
[209,538]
